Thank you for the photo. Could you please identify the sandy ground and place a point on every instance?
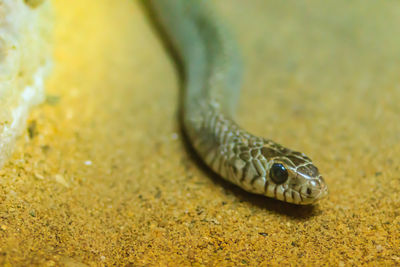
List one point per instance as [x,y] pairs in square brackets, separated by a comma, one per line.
[105,178]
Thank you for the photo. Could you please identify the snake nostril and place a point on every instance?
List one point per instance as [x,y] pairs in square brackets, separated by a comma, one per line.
[309,191]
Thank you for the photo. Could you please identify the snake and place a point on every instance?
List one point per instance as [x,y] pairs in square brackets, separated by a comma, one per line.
[212,70]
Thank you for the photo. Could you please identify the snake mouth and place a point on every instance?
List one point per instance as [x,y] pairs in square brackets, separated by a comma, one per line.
[322,194]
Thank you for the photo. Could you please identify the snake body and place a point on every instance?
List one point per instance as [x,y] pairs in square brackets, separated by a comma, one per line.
[212,71]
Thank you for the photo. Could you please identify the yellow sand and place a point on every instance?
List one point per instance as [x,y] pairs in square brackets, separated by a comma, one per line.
[106,178]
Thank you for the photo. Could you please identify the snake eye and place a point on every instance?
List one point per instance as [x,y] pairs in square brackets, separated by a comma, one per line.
[278,173]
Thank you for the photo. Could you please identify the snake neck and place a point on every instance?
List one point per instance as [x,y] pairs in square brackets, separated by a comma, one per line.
[212,77]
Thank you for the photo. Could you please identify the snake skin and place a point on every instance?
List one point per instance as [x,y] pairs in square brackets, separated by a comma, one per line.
[212,72]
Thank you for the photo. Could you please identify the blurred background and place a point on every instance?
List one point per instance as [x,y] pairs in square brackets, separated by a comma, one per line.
[105,177]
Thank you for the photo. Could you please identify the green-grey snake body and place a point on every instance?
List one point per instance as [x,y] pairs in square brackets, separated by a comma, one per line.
[212,80]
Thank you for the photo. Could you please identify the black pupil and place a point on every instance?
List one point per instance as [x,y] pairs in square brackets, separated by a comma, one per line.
[278,173]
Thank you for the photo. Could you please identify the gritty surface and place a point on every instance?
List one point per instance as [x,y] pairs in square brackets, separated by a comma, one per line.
[103,175]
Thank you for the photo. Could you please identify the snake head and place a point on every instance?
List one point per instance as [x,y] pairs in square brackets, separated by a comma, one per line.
[292,177]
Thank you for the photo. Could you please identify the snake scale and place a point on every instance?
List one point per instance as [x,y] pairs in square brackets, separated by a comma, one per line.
[212,71]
